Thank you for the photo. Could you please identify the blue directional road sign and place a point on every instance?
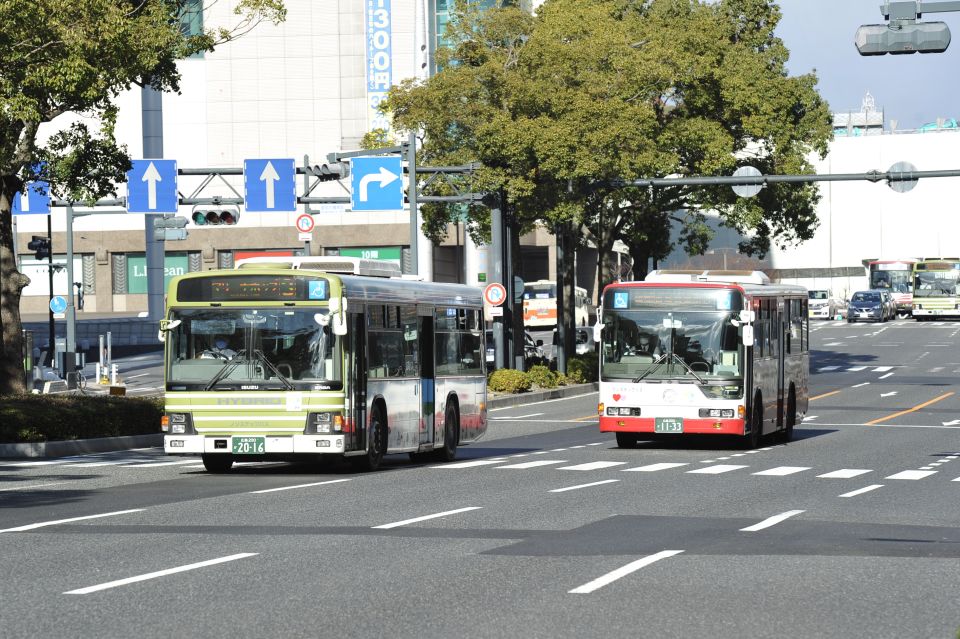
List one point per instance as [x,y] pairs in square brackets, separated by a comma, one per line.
[35,198]
[270,185]
[376,183]
[58,304]
[152,187]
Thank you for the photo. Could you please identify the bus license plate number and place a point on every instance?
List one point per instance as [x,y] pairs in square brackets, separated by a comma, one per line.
[668,425]
[248,446]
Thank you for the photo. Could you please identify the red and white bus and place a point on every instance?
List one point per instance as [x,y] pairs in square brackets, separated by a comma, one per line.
[895,276]
[703,352]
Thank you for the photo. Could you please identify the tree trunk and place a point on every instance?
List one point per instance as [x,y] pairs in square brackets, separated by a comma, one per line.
[12,282]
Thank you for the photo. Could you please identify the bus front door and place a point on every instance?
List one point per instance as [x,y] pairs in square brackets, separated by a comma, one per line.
[427,378]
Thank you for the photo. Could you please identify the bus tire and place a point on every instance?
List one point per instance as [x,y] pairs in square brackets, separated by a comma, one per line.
[217,463]
[790,418]
[752,439]
[451,436]
[376,447]
[627,440]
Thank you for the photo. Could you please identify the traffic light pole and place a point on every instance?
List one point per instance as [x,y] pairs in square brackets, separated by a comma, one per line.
[69,357]
[53,333]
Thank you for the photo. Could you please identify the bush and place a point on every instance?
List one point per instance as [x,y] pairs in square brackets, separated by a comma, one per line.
[582,369]
[507,380]
[562,380]
[41,418]
[542,376]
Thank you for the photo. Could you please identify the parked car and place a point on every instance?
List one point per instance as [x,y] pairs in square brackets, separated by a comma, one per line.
[532,351]
[874,305]
[583,340]
[822,304]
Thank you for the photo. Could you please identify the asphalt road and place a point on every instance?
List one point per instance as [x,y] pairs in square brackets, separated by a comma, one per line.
[545,529]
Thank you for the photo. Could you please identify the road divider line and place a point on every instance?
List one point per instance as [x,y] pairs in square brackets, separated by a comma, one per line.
[771,521]
[860,491]
[43,524]
[911,410]
[56,483]
[825,395]
[596,483]
[621,572]
[319,483]
[397,524]
[159,573]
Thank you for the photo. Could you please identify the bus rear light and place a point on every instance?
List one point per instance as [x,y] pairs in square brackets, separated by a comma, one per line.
[741,411]
[600,408]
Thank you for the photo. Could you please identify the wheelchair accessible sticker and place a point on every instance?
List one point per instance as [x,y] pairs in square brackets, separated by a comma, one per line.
[621,300]
[317,290]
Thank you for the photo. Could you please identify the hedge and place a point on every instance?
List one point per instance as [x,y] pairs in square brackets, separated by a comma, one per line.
[40,418]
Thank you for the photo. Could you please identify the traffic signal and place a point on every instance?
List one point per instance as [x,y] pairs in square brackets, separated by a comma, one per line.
[912,37]
[216,216]
[169,228]
[41,245]
[331,171]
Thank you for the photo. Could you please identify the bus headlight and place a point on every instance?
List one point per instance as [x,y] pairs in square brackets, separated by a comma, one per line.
[177,424]
[323,423]
[623,411]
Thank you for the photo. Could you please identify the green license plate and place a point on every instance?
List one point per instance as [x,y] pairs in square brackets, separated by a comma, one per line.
[668,425]
[248,446]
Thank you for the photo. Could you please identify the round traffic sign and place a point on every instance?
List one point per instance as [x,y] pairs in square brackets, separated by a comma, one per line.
[305,223]
[494,294]
[747,190]
[58,304]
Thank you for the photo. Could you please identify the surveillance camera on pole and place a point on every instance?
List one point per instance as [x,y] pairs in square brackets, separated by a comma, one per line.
[904,33]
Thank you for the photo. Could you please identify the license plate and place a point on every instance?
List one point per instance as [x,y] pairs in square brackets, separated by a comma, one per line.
[248,446]
[668,425]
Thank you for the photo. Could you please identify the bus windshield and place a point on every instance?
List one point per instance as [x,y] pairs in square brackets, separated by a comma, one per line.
[660,344]
[936,283]
[252,349]
[895,281]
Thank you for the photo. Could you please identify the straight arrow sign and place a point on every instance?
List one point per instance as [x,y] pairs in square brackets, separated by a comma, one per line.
[151,176]
[269,177]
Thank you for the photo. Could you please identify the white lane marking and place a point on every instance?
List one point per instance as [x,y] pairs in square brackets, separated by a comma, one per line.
[716,470]
[621,572]
[515,456]
[557,450]
[912,474]
[806,419]
[519,416]
[318,483]
[859,385]
[159,573]
[857,369]
[845,473]
[56,483]
[951,456]
[534,464]
[547,401]
[882,369]
[767,448]
[539,452]
[397,524]
[771,521]
[723,458]
[860,491]
[885,376]
[53,462]
[158,464]
[596,483]
[43,524]
[597,444]
[471,464]
[780,471]
[834,344]
[754,452]
[583,446]
[824,369]
[652,468]
[593,465]
[103,463]
[137,375]
[738,455]
[890,394]
[927,467]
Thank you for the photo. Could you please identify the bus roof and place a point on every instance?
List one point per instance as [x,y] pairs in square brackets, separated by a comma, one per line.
[327,263]
[730,277]
[749,282]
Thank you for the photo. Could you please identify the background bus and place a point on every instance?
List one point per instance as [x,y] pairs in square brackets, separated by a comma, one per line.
[540,304]
[290,364]
[895,276]
[691,352]
[935,288]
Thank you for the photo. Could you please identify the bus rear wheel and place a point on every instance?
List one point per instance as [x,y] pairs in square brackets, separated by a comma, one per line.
[376,447]
[217,463]
[451,437]
[791,419]
[627,440]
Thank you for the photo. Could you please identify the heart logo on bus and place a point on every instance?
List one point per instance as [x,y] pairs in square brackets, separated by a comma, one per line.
[616,397]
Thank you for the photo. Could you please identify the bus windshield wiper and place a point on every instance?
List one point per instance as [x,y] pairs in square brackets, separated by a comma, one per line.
[226,369]
[663,359]
[653,367]
[273,369]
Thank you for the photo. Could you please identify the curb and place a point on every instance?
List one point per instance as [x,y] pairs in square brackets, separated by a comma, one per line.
[506,401]
[80,446]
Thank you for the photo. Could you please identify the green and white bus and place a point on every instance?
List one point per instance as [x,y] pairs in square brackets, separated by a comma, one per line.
[282,364]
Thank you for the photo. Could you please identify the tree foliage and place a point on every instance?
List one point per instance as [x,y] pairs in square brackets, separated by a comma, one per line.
[566,108]
[75,57]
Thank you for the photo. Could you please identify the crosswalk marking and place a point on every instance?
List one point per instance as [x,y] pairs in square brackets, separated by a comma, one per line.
[882,369]
[912,474]
[845,473]
[781,471]
[716,470]
[857,369]
[824,369]
[534,464]
[593,465]
[164,463]
[652,468]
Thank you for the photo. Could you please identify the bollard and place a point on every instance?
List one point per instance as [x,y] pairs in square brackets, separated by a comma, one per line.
[114,374]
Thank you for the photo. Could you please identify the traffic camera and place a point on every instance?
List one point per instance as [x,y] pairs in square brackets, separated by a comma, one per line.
[206,215]
[41,245]
[911,37]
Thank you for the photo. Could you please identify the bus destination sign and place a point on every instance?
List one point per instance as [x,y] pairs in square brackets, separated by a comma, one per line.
[254,288]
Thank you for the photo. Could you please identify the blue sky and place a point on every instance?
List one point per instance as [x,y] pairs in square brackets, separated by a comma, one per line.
[912,89]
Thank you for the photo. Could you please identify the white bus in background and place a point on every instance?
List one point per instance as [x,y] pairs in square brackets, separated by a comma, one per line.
[540,304]
[703,352]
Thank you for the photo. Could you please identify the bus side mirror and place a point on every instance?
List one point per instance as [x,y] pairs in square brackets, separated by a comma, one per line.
[748,335]
[338,315]
[166,326]
[748,317]
[597,331]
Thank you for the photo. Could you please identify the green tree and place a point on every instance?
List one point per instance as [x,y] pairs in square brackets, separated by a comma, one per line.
[76,56]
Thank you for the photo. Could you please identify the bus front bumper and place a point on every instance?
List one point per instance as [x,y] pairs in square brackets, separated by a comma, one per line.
[690,426]
[223,444]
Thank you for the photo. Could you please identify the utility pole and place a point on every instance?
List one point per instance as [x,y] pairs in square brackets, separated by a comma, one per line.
[151,106]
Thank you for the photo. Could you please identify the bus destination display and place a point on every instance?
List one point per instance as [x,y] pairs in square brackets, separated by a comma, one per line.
[253,288]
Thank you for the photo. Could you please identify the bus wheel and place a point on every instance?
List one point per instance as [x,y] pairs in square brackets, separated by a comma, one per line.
[791,417]
[217,463]
[451,436]
[753,438]
[377,445]
[627,440]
